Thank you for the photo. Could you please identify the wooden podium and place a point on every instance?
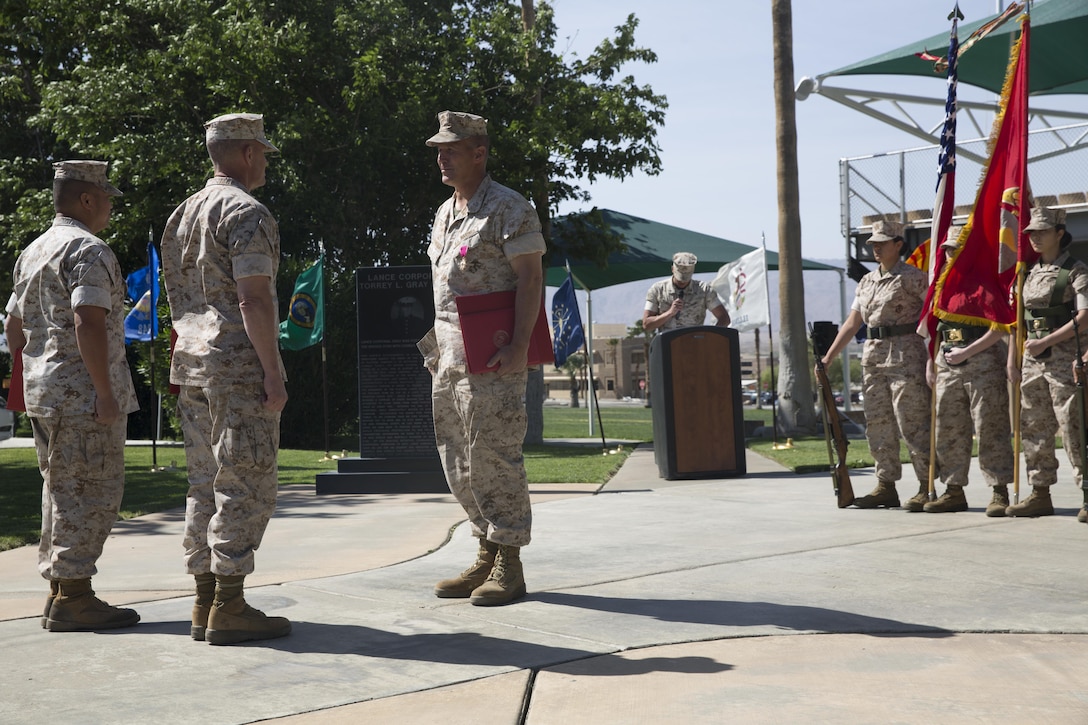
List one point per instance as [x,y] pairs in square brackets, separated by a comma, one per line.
[698,416]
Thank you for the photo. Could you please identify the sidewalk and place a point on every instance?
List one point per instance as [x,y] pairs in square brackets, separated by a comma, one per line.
[751,600]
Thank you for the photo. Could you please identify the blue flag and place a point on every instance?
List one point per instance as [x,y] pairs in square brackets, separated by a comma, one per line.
[142,323]
[567,334]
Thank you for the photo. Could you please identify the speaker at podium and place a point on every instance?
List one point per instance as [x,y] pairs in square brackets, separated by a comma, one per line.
[698,416]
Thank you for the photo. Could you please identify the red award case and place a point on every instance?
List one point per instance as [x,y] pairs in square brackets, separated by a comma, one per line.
[487,323]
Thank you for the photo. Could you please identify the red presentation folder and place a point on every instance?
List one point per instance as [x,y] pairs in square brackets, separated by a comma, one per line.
[487,323]
[15,392]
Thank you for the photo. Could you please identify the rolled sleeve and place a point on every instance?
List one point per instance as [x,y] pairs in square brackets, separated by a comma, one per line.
[530,243]
[91,296]
[13,306]
[252,265]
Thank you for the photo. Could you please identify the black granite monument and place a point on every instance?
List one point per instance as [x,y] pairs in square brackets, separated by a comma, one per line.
[394,308]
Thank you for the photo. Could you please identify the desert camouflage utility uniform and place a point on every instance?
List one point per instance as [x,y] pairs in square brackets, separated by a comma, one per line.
[973,400]
[82,461]
[699,297]
[893,363]
[480,420]
[1048,395]
[219,235]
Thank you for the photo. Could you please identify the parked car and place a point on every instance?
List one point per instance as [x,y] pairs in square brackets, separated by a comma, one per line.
[749,397]
[7,421]
[767,397]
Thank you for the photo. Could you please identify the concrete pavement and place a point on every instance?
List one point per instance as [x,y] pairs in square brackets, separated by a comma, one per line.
[749,600]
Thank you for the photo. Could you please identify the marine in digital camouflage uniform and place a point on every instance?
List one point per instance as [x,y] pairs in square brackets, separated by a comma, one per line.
[681,301]
[972,401]
[220,255]
[1048,394]
[889,301]
[67,315]
[485,238]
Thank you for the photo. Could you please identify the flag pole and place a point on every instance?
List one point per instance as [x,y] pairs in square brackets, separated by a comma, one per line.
[1018,340]
[154,276]
[774,388]
[587,351]
[593,389]
[324,350]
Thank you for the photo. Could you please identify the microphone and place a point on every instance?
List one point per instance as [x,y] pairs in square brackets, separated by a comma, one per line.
[680,294]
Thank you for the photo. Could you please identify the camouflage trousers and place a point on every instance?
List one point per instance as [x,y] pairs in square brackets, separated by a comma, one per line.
[1048,405]
[83,479]
[897,402]
[231,444]
[479,424]
[973,399]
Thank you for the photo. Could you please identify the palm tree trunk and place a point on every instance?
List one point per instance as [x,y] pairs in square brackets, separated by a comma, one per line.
[797,413]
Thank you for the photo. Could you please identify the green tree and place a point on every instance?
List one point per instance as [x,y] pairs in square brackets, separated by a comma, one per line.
[349,89]
[574,366]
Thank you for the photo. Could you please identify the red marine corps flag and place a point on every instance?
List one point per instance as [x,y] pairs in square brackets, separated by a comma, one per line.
[976,284]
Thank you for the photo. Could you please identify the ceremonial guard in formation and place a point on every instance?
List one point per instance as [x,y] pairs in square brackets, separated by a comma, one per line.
[889,301]
[972,400]
[1055,312]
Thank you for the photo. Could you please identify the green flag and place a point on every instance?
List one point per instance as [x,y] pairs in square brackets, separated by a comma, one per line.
[305,323]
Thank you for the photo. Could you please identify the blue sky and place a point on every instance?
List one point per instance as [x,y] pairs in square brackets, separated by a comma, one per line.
[718,146]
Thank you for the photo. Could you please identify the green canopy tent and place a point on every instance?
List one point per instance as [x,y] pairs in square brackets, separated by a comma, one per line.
[1059,65]
[648,253]
[1059,55]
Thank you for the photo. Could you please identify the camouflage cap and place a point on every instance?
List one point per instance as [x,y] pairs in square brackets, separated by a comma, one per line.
[93,172]
[1043,218]
[238,126]
[457,126]
[952,239]
[885,231]
[685,259]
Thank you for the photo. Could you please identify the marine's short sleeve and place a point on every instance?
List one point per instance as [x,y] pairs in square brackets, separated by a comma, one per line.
[520,230]
[12,307]
[712,299]
[1078,280]
[253,241]
[92,279]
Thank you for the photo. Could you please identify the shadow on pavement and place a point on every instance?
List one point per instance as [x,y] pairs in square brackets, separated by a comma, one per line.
[741,614]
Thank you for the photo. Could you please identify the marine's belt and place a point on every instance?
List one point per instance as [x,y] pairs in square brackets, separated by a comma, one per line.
[1042,321]
[960,336]
[880,333]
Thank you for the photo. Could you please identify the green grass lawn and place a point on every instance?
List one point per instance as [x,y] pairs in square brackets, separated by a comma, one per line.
[148,491]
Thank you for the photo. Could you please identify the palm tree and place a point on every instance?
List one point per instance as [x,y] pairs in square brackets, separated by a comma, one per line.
[794,378]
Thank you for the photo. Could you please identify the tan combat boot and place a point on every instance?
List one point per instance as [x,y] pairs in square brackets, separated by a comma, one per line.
[952,500]
[918,501]
[999,502]
[77,609]
[883,495]
[231,620]
[1082,515]
[202,608]
[466,582]
[54,589]
[1037,504]
[506,581]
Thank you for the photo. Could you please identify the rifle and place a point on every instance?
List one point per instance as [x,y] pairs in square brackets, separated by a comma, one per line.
[1078,374]
[833,434]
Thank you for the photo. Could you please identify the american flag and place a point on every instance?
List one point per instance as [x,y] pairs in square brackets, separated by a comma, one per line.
[946,185]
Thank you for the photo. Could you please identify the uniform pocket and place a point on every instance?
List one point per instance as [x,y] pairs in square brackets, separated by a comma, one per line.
[251,438]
